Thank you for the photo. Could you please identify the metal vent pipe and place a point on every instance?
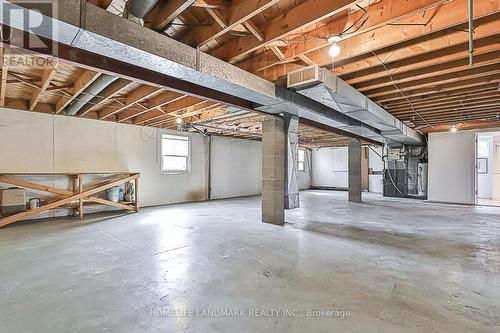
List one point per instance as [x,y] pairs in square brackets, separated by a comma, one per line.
[92,91]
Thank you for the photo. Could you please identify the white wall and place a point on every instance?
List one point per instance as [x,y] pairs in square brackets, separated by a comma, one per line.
[236,167]
[43,143]
[496,168]
[485,181]
[330,167]
[375,163]
[452,167]
[305,176]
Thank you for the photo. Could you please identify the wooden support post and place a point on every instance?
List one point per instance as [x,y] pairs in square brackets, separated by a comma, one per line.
[137,188]
[80,190]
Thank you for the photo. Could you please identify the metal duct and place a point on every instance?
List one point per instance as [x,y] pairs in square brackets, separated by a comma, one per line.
[92,91]
[141,8]
[322,86]
[90,29]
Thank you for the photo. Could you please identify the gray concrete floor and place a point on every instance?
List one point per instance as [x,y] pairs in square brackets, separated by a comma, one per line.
[385,265]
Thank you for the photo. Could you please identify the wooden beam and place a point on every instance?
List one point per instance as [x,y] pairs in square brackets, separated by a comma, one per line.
[165,12]
[218,17]
[439,88]
[462,126]
[461,106]
[428,71]
[186,113]
[84,80]
[152,104]
[277,52]
[254,30]
[238,13]
[167,109]
[446,97]
[213,4]
[378,14]
[139,94]
[445,28]
[3,78]
[47,76]
[306,59]
[474,72]
[307,13]
[370,67]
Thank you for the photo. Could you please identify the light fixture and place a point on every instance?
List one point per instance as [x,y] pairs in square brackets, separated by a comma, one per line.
[334,49]
[179,121]
[453,129]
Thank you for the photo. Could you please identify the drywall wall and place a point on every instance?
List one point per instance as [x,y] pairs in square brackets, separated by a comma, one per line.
[376,166]
[496,168]
[330,167]
[236,167]
[452,167]
[485,180]
[305,176]
[35,142]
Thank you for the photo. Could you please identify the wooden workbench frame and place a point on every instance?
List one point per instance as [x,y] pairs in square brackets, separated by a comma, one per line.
[75,199]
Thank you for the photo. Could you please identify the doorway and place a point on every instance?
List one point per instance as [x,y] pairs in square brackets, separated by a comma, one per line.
[488,169]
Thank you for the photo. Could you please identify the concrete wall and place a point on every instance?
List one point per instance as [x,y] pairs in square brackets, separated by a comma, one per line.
[236,167]
[452,167]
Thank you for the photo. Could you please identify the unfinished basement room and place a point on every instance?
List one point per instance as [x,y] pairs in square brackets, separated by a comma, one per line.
[250,166]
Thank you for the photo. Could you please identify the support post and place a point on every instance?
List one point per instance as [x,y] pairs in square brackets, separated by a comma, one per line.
[355,170]
[80,190]
[137,189]
[273,170]
[292,173]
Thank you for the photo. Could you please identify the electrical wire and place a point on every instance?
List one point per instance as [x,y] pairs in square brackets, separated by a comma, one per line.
[401,92]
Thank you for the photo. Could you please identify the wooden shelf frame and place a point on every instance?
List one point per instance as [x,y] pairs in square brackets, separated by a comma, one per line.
[78,198]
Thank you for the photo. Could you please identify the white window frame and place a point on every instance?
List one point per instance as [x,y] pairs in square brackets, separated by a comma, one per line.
[299,162]
[188,157]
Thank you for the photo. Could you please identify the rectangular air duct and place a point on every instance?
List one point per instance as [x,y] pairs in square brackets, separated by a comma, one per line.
[321,85]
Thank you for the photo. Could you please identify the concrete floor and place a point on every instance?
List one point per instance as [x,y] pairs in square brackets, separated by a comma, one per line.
[385,265]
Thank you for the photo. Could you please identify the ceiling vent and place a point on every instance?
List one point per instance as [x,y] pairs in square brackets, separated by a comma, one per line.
[303,77]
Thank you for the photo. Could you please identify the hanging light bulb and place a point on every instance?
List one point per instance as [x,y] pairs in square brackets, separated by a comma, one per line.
[179,121]
[453,129]
[334,49]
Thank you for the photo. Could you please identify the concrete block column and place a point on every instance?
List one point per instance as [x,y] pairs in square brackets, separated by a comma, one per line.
[273,171]
[292,164]
[355,186]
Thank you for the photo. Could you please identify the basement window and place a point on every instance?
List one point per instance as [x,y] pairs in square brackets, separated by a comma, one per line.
[174,154]
[302,160]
